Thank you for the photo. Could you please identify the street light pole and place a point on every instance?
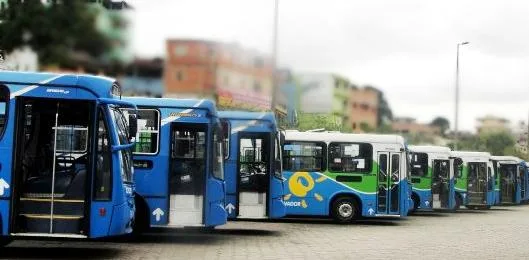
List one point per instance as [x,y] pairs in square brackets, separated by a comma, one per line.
[456,131]
[274,56]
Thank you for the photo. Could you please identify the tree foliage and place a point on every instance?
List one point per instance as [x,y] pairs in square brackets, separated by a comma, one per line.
[53,31]
[497,143]
[442,123]
[310,121]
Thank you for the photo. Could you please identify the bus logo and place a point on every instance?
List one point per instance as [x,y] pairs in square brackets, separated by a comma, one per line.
[300,184]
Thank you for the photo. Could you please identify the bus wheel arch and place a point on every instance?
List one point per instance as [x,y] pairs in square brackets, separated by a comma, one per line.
[142,216]
[345,207]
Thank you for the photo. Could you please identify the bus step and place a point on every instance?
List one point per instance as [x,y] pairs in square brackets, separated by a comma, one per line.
[43,206]
[40,223]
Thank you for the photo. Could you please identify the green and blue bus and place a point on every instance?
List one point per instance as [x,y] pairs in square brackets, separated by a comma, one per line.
[345,176]
[432,178]
[178,162]
[474,179]
[66,157]
[510,181]
[253,165]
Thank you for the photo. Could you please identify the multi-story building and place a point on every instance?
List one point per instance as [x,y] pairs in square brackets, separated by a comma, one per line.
[363,109]
[491,123]
[325,94]
[408,125]
[143,77]
[237,78]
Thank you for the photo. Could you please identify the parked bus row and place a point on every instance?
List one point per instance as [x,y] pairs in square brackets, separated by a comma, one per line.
[80,161]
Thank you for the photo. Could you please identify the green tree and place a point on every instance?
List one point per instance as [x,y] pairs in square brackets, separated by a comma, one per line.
[310,121]
[442,123]
[56,32]
[497,143]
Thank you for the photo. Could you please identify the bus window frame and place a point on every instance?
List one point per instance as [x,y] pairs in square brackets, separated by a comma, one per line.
[368,160]
[425,163]
[226,137]
[158,138]
[323,145]
[6,110]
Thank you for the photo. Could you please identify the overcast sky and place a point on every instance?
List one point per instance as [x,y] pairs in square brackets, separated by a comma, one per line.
[405,48]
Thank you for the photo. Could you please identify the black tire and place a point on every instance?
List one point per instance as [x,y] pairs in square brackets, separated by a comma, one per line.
[344,210]
[141,219]
[458,202]
[416,202]
[4,241]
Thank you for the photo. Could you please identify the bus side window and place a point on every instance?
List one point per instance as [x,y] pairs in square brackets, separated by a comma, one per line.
[4,101]
[103,176]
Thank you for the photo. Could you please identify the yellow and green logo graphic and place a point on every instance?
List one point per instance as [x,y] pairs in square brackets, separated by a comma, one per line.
[300,185]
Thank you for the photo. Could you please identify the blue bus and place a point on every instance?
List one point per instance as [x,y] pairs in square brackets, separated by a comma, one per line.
[474,179]
[254,184]
[511,180]
[346,176]
[178,164]
[66,157]
[432,178]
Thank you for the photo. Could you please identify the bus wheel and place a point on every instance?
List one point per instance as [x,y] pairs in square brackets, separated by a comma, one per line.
[344,210]
[141,219]
[416,202]
[4,241]
[458,203]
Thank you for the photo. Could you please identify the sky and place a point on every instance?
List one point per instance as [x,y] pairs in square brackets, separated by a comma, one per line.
[406,48]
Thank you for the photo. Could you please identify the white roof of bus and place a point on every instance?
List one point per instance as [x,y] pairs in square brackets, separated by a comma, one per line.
[470,154]
[342,137]
[429,149]
[507,159]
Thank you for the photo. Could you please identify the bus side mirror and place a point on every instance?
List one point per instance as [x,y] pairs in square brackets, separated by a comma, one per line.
[133,126]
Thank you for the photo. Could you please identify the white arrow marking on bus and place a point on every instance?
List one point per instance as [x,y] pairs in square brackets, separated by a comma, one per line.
[158,212]
[370,211]
[230,208]
[427,203]
[3,186]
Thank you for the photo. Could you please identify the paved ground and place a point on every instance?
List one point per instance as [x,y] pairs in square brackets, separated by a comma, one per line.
[502,232]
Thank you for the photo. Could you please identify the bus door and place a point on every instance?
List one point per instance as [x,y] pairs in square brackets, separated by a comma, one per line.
[388,183]
[51,166]
[507,183]
[441,184]
[187,173]
[477,183]
[254,174]
[522,183]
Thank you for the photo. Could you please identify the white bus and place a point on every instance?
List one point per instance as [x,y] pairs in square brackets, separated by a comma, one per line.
[345,176]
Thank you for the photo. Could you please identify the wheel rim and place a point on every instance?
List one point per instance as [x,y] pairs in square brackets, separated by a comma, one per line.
[345,210]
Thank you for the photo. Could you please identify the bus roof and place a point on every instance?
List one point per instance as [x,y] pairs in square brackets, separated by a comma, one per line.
[246,115]
[470,154]
[512,159]
[173,102]
[429,149]
[99,85]
[342,137]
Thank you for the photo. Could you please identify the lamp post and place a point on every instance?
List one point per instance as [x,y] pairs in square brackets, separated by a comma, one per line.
[456,129]
[274,57]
